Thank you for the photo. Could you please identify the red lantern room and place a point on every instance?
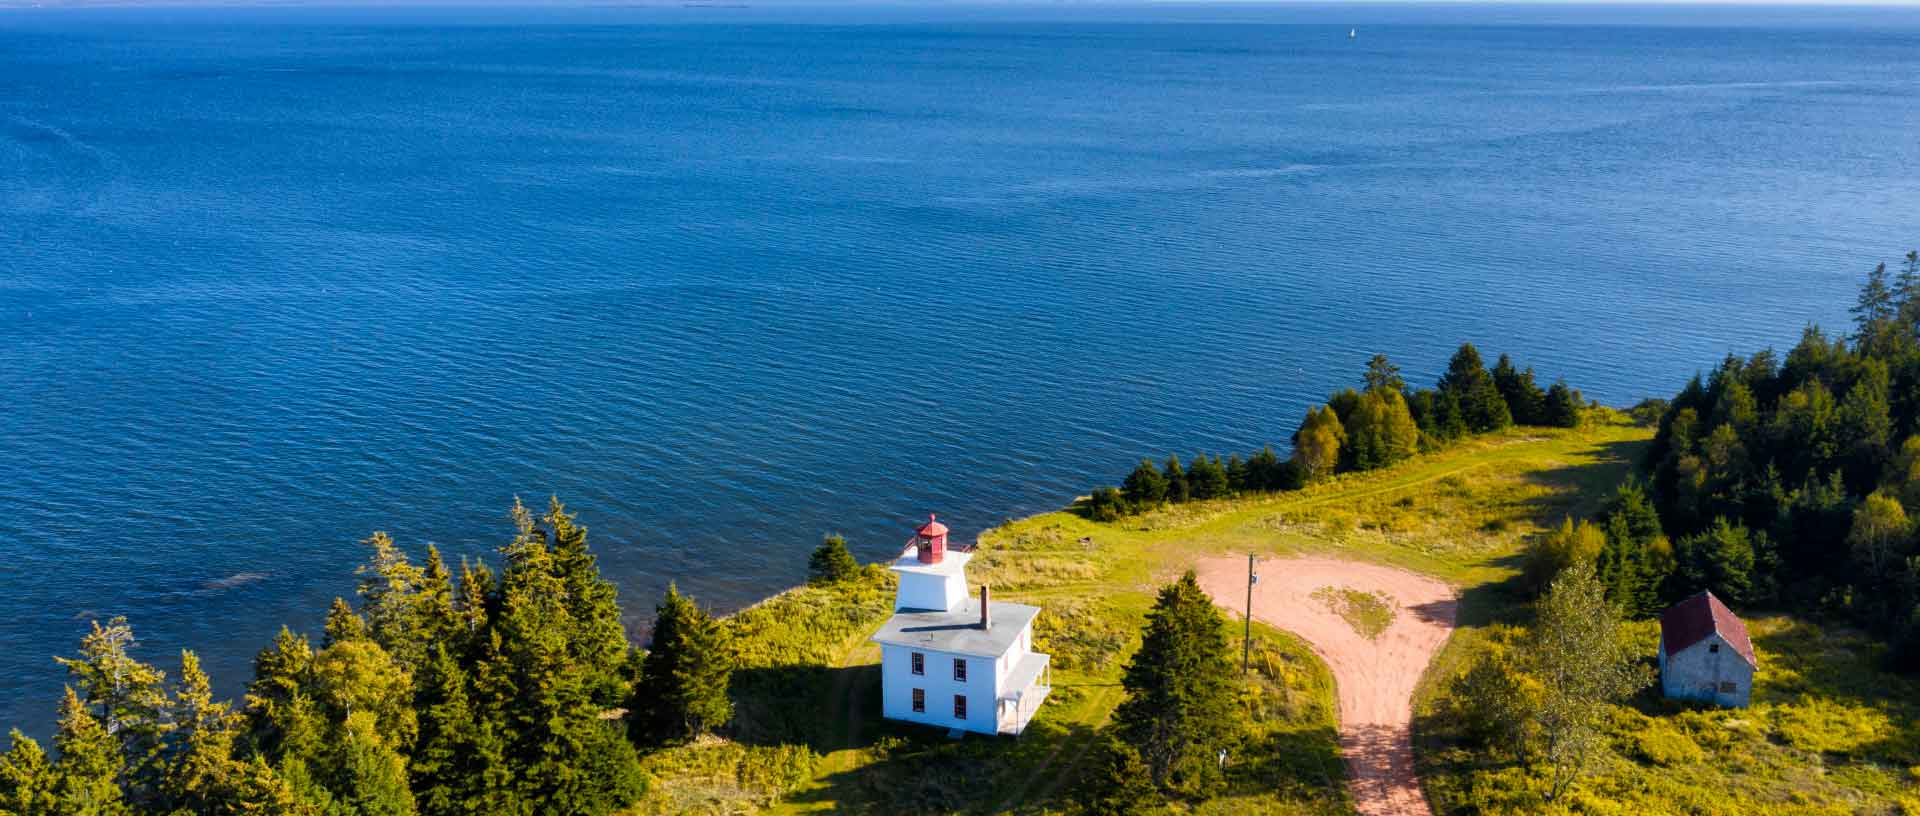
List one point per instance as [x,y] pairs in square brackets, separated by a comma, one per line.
[931,541]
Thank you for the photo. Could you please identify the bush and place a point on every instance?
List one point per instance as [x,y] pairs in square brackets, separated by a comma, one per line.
[831,563]
[1661,745]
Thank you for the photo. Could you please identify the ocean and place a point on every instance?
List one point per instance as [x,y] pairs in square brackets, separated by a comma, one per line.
[730,279]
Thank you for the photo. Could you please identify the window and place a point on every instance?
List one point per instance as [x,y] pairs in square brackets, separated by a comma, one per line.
[1713,648]
[959,706]
[919,663]
[919,700]
[959,670]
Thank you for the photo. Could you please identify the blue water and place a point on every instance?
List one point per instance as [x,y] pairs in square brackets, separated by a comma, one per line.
[727,280]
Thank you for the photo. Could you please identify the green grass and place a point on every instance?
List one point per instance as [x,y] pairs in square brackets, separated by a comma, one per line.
[1369,613]
[808,737]
[1828,733]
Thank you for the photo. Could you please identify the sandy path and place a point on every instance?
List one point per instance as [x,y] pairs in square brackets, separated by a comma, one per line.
[1375,677]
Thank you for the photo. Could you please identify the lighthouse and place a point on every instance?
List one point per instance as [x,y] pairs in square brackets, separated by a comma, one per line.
[951,660]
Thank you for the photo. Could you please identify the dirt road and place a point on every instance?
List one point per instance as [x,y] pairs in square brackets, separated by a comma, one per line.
[1375,677]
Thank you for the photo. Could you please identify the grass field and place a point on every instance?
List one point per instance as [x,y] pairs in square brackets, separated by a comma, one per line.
[808,736]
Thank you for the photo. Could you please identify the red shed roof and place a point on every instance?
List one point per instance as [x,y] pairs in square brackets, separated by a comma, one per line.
[1692,620]
[932,529]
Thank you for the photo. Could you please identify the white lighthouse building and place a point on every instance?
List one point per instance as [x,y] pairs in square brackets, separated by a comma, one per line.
[952,660]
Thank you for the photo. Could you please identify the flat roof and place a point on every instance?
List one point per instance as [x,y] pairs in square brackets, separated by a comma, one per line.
[958,631]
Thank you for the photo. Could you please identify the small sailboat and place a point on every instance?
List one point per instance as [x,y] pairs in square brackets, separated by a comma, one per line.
[1353,33]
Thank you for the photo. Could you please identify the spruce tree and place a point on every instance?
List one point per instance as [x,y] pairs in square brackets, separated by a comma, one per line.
[1525,401]
[683,683]
[201,772]
[831,563]
[1179,709]
[1117,783]
[1482,409]
[128,699]
[1145,488]
[1178,489]
[343,624]
[27,780]
[1381,432]
[1207,477]
[443,781]
[1562,407]
[391,592]
[598,638]
[368,775]
[90,766]
[1264,470]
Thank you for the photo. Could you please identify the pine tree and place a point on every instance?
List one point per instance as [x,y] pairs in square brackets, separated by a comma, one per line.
[27,779]
[90,765]
[1179,709]
[1145,488]
[1239,476]
[683,683]
[831,563]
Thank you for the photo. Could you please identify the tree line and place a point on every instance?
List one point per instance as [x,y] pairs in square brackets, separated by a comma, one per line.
[509,692]
[1789,482]
[1377,426]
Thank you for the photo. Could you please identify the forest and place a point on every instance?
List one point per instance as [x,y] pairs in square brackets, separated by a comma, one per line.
[1377,426]
[1787,483]
[514,692]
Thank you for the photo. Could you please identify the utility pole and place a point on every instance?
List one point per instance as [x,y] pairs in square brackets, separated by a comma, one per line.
[1246,640]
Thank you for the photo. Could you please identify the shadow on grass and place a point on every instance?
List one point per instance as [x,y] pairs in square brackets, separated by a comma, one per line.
[912,769]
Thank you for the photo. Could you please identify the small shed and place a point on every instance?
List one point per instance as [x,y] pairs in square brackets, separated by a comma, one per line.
[1705,655]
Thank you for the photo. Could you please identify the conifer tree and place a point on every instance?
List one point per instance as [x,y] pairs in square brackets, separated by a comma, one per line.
[1562,407]
[1179,710]
[90,766]
[27,780]
[1264,470]
[1117,782]
[1525,401]
[683,683]
[1145,488]
[1467,381]
[343,624]
[128,700]
[1380,432]
[369,776]
[442,780]
[831,563]
[1207,477]
[200,771]
[1178,489]
[598,638]
[1383,375]
[475,602]
[391,601]
[1239,476]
